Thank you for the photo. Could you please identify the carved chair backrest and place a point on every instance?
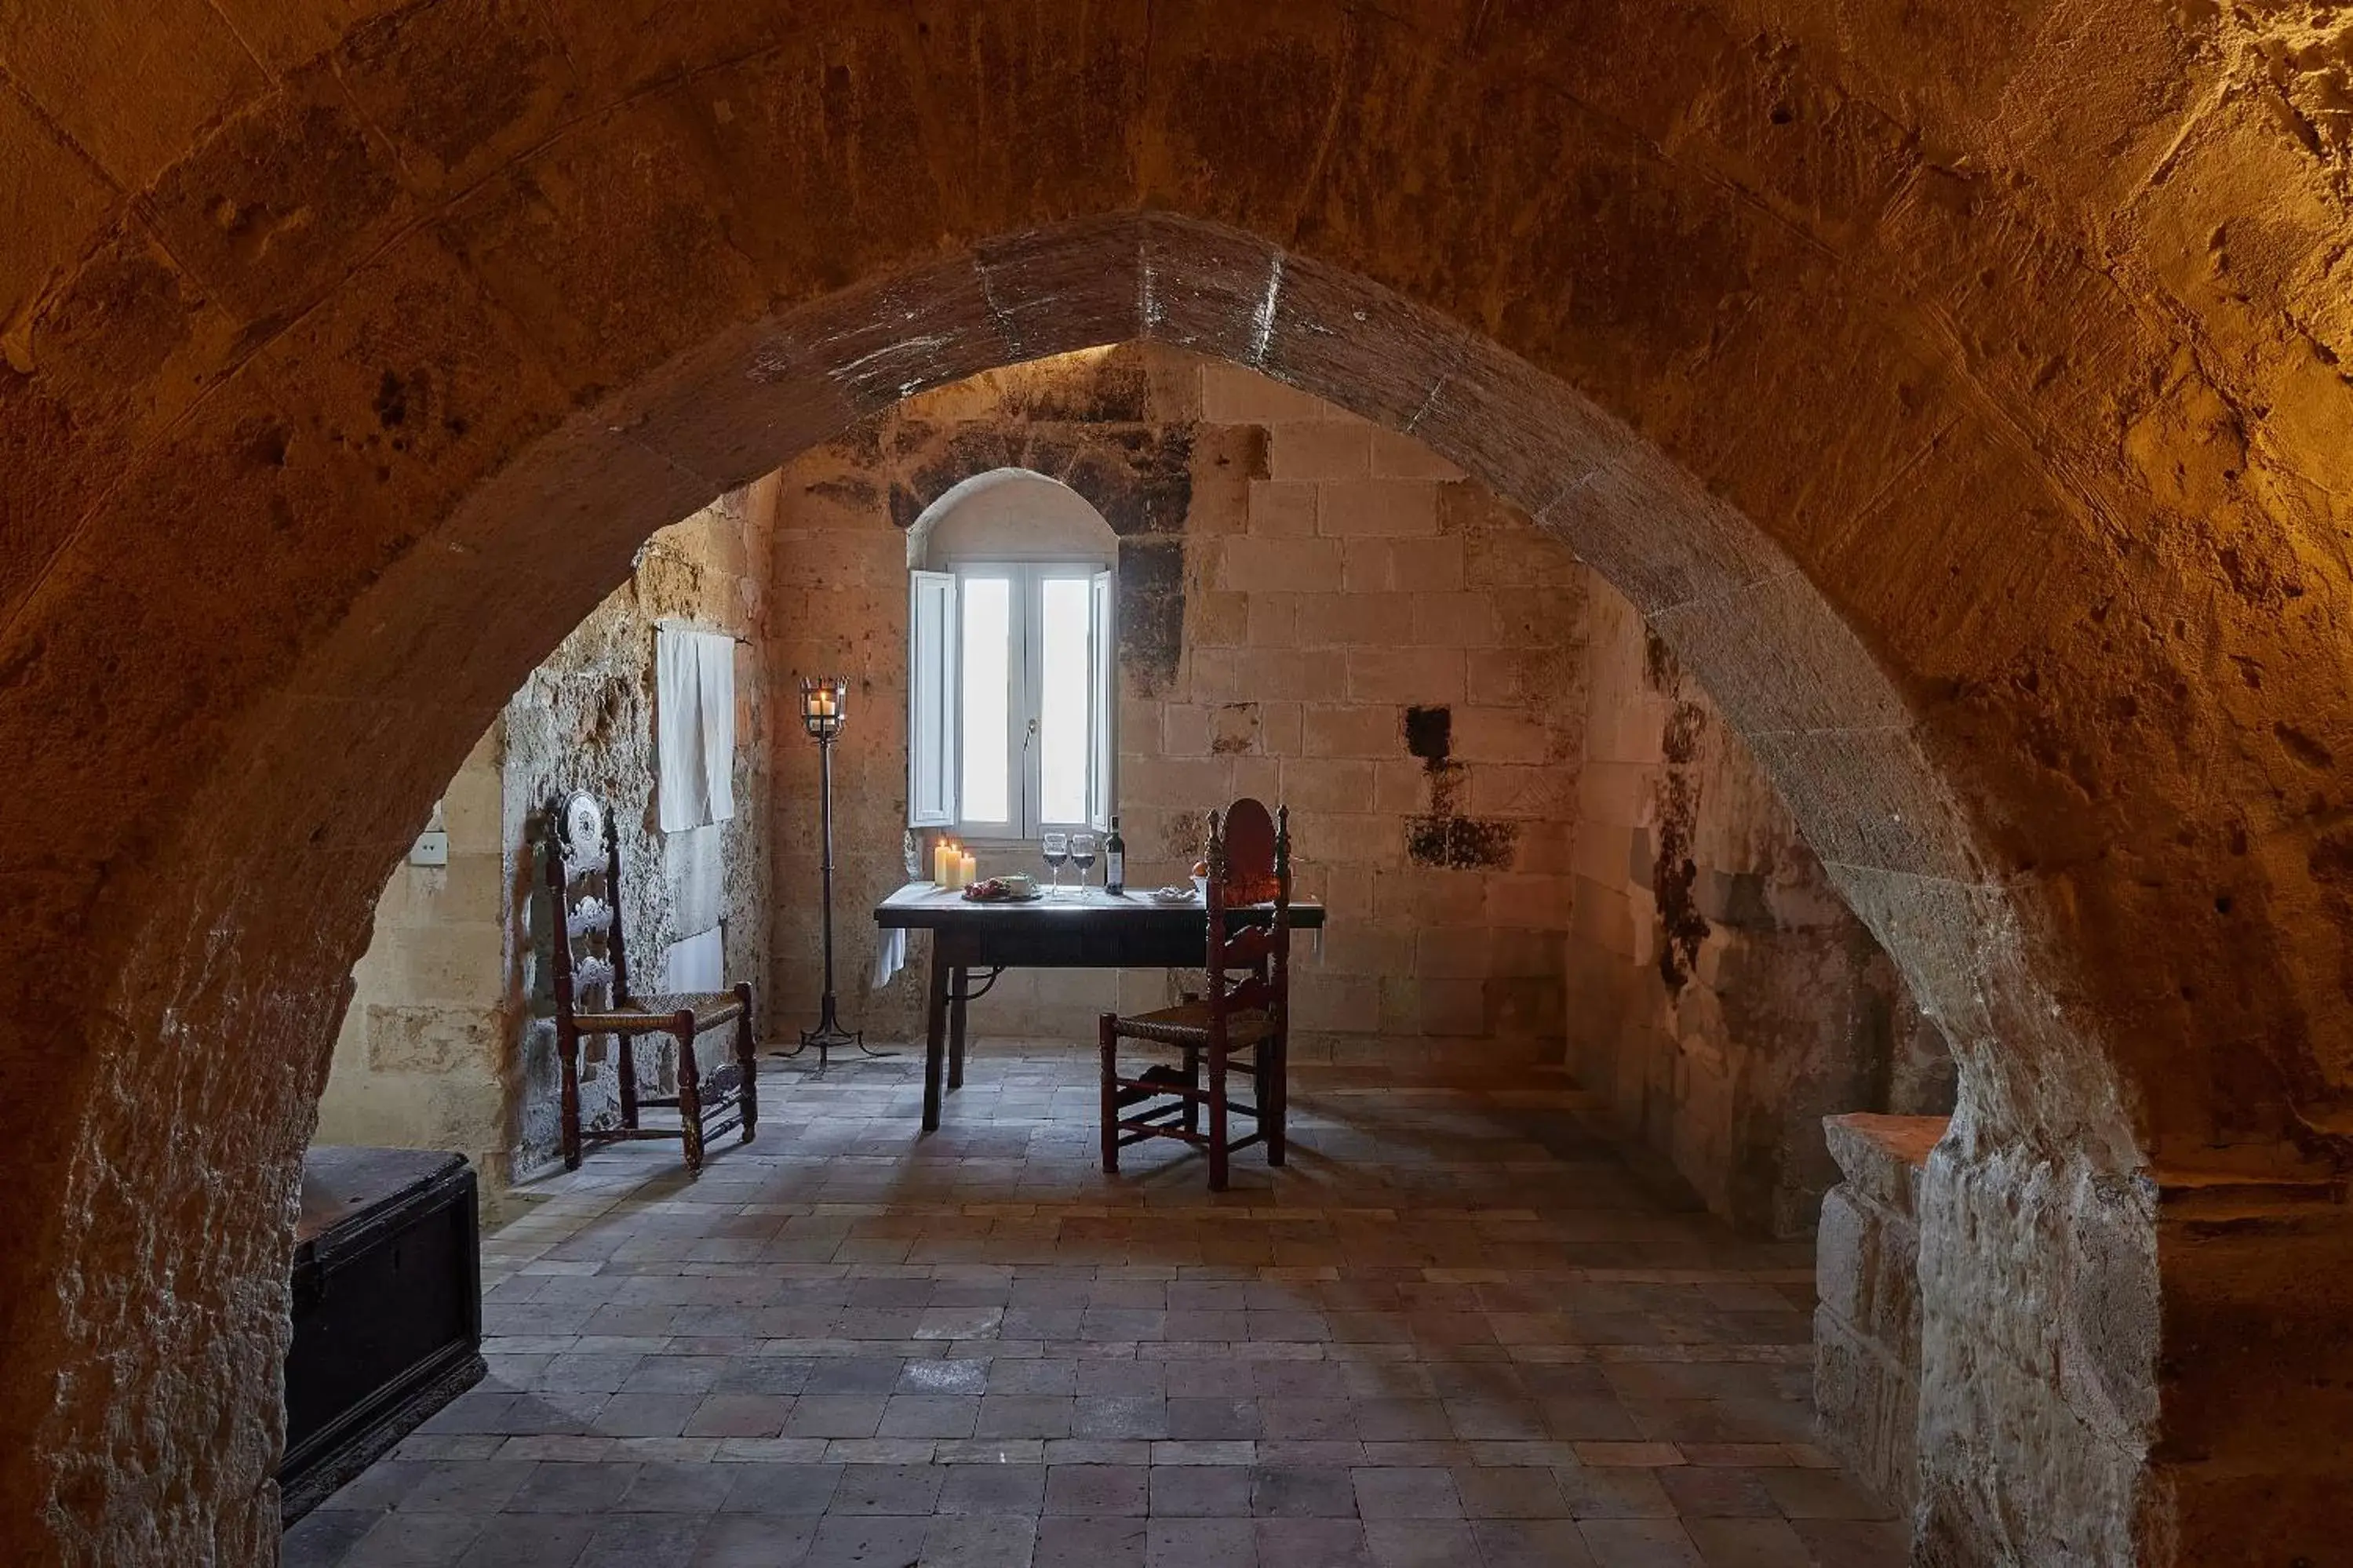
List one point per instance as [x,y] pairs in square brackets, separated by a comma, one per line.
[1249,870]
[584,885]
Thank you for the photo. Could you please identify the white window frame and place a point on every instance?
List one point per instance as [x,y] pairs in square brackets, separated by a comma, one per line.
[935,699]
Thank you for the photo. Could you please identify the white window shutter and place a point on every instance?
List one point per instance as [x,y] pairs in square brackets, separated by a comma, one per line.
[1101,801]
[931,692]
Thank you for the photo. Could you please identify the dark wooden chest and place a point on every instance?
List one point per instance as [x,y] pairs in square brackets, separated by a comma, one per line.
[387,1309]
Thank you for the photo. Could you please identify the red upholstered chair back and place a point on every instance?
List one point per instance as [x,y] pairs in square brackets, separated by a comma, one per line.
[1249,836]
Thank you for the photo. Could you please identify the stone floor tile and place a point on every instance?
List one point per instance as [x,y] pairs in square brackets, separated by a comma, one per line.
[1854,1543]
[1822,1494]
[1287,1493]
[647,1414]
[642,1540]
[930,1416]
[1200,1491]
[740,1416]
[1097,1490]
[1530,1543]
[324,1537]
[1185,1542]
[867,1541]
[416,1540]
[1727,1542]
[561,1487]
[760,1488]
[672,1488]
[1613,1493]
[980,1541]
[1212,1419]
[1397,1492]
[888,1489]
[1420,1542]
[482,1486]
[1136,1419]
[1719,1492]
[1089,1543]
[1025,1415]
[745,1540]
[1313,1543]
[835,1415]
[1499,1491]
[985,1488]
[529,1540]
[1638,1544]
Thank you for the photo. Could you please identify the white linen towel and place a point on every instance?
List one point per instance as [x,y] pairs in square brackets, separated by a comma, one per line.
[694,725]
[697,877]
[889,956]
[697,965]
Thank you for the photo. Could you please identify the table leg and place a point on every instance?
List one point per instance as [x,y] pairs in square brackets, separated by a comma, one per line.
[959,984]
[936,1029]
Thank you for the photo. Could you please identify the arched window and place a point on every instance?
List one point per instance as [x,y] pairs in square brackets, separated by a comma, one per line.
[1012,680]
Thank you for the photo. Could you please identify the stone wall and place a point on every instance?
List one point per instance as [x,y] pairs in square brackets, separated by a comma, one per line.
[449,1042]
[422,1059]
[1727,998]
[1867,1285]
[1311,610]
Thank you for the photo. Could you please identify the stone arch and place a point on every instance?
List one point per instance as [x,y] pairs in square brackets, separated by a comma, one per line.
[345,375]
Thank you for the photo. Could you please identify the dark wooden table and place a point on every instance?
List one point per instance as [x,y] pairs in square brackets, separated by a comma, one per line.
[1080,929]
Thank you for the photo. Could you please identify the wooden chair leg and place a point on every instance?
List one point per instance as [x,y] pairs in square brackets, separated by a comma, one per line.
[567,1056]
[1107,1039]
[1217,1152]
[747,1062]
[1193,1081]
[690,1093]
[1270,1104]
[625,1056]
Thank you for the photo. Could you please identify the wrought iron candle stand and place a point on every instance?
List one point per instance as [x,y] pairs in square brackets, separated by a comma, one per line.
[824,702]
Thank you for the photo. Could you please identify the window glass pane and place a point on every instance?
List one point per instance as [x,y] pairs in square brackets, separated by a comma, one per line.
[987,616]
[1062,686]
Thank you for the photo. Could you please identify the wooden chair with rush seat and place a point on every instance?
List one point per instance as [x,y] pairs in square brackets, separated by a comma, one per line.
[591,997]
[1241,1021]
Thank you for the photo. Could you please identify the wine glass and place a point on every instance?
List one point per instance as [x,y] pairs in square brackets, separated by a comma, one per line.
[1057,848]
[1082,855]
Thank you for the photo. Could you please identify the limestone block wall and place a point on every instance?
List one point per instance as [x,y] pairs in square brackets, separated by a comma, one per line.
[1312,610]
[448,1042]
[1867,1312]
[421,1058]
[1725,999]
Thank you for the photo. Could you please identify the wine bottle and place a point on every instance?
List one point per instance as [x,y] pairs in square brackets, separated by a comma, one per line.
[1114,860]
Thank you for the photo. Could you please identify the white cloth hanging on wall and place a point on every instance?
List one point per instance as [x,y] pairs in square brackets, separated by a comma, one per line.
[694,726]
[697,965]
[697,877]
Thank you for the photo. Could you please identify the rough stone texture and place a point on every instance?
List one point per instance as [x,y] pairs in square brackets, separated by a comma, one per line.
[1867,1290]
[1959,391]
[1312,610]
[1725,999]
[449,1042]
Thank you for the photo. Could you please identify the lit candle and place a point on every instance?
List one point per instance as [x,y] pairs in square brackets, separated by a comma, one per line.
[970,868]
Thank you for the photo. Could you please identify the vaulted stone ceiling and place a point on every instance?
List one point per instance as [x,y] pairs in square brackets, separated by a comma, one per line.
[1958,387]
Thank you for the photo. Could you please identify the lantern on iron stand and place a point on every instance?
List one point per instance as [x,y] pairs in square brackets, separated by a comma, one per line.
[824,702]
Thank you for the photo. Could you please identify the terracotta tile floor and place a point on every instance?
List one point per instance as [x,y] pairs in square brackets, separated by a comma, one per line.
[1456,1329]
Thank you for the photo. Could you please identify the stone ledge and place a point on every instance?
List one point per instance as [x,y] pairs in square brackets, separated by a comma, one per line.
[1881,1156]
